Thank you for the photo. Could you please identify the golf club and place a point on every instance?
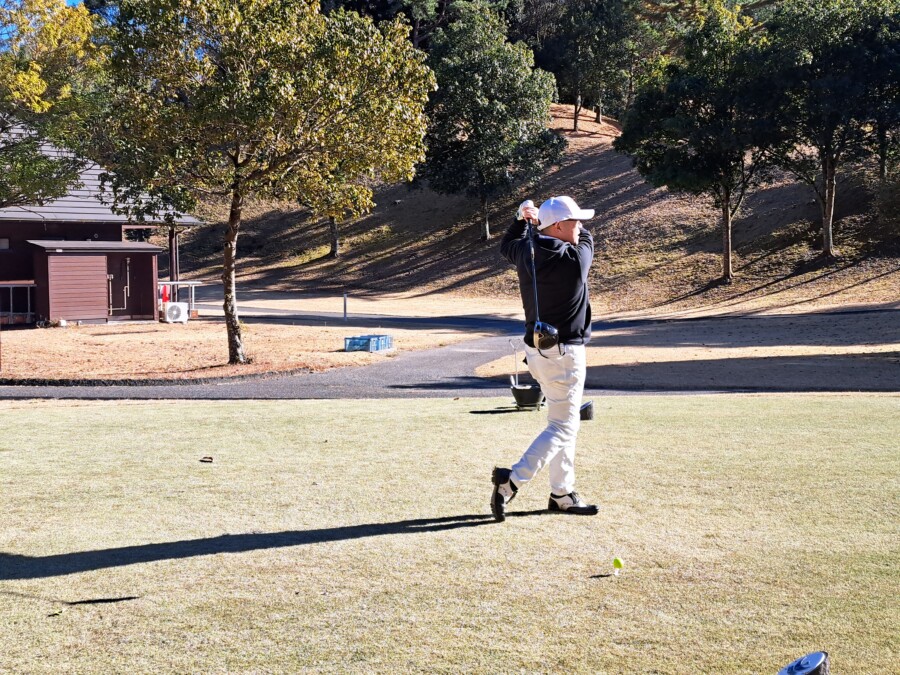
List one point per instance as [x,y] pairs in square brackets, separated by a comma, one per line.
[545,335]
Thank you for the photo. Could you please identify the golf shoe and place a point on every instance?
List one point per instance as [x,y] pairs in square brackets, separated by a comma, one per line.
[572,503]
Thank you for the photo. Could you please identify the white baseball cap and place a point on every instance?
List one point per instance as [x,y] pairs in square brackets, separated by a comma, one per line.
[556,209]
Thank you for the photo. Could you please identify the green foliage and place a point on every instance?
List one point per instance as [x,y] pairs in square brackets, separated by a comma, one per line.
[46,62]
[489,115]
[263,97]
[689,131]
[692,131]
[591,50]
[876,60]
[817,93]
[29,176]
[817,100]
[268,96]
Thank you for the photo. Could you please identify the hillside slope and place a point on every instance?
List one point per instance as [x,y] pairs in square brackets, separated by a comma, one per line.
[655,251]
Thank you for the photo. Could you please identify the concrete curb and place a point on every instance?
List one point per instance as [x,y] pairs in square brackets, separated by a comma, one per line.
[157,382]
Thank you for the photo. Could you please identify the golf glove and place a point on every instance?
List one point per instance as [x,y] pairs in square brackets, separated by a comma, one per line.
[527,204]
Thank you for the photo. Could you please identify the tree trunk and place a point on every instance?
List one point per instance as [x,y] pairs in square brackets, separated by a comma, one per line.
[577,110]
[630,96]
[232,323]
[727,271]
[882,152]
[484,213]
[173,254]
[415,33]
[333,231]
[599,118]
[829,173]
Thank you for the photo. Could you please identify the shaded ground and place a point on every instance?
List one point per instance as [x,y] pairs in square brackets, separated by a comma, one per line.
[854,350]
[840,351]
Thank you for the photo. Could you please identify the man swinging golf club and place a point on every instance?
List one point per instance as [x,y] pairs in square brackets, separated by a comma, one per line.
[552,264]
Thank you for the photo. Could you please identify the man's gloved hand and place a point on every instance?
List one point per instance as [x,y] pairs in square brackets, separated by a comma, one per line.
[527,211]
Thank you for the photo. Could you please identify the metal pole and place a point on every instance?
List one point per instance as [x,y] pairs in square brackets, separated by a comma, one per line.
[345,306]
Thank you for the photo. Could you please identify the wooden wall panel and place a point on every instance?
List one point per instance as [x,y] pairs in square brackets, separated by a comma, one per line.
[78,288]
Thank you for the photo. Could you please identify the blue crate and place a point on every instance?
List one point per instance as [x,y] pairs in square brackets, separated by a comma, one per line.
[368,343]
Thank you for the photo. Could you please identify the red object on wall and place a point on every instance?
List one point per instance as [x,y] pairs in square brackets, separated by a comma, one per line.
[165,293]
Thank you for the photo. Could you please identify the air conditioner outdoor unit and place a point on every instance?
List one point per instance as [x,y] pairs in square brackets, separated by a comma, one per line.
[175,312]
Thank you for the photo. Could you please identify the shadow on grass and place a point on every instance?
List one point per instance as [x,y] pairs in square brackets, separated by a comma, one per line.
[497,411]
[17,567]
[72,603]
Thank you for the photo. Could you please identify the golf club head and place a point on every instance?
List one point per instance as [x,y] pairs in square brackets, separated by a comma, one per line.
[812,664]
[545,336]
[587,410]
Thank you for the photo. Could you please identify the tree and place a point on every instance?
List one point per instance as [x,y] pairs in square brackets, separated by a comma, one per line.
[536,21]
[489,114]
[644,61]
[692,131]
[876,47]
[816,98]
[262,97]
[590,51]
[46,59]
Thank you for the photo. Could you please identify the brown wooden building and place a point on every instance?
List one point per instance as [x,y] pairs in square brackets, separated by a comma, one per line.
[70,259]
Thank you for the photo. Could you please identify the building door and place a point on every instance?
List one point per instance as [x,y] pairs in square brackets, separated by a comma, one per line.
[120,277]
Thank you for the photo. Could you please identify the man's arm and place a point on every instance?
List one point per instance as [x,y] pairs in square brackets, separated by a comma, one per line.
[585,252]
[513,240]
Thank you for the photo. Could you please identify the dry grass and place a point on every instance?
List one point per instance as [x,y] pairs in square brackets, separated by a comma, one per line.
[754,529]
[197,349]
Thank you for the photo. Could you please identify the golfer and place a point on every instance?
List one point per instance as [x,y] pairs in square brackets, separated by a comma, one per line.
[563,252]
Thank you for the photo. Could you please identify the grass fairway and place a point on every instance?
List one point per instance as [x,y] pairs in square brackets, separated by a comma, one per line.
[355,536]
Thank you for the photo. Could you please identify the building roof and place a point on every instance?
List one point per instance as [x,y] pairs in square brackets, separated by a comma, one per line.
[62,246]
[83,204]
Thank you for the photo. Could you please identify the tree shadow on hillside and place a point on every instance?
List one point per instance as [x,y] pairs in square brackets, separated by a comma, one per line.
[433,241]
[874,326]
[459,257]
[800,271]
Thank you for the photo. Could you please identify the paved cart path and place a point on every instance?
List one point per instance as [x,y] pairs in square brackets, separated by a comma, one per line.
[448,371]
[846,366]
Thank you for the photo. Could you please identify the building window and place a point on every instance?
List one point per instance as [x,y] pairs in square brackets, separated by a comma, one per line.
[4,244]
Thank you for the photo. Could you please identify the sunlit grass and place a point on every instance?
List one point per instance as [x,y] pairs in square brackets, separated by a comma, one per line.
[354,536]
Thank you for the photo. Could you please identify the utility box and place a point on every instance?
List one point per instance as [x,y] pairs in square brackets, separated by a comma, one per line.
[368,343]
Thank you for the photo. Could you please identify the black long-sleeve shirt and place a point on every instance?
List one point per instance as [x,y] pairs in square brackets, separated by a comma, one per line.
[562,272]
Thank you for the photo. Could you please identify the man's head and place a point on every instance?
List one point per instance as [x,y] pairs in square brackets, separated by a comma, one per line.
[561,217]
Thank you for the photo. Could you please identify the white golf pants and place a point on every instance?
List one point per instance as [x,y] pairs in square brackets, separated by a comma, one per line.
[561,377]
